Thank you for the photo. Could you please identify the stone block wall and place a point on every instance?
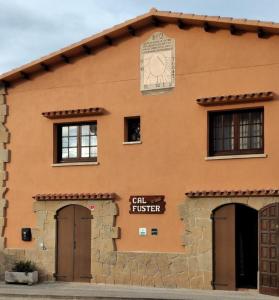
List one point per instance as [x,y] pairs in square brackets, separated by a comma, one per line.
[172,270]
[4,158]
[191,269]
[103,233]
[197,235]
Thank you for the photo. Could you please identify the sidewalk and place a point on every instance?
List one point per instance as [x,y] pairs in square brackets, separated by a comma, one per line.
[84,291]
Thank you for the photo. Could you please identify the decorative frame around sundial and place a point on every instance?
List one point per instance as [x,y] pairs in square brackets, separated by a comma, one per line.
[157,63]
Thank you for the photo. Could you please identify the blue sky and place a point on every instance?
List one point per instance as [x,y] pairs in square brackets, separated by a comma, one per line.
[30,29]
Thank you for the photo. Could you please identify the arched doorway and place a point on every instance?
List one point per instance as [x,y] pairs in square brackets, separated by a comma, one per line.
[269,249]
[73,247]
[235,247]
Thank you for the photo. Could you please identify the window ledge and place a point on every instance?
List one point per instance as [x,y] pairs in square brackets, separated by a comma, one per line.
[132,143]
[236,156]
[76,164]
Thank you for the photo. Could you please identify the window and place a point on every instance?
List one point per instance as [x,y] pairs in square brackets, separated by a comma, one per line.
[236,132]
[132,129]
[76,142]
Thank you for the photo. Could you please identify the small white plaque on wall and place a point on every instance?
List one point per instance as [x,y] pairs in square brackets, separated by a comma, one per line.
[142,231]
[157,63]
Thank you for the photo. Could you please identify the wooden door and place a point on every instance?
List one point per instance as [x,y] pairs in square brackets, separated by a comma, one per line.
[224,273]
[65,241]
[73,244]
[269,248]
[82,253]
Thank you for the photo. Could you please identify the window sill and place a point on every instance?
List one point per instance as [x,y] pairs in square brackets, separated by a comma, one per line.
[76,164]
[236,156]
[132,143]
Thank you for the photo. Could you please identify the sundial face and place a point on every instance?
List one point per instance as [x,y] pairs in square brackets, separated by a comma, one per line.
[157,63]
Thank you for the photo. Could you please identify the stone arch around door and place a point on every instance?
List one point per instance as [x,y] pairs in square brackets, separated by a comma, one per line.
[196,214]
[103,232]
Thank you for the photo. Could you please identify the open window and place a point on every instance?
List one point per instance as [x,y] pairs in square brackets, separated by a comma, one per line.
[132,130]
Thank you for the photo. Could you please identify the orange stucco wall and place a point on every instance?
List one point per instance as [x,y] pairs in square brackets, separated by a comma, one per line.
[171,158]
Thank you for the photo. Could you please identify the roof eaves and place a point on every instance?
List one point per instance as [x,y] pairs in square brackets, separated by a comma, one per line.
[138,22]
[45,59]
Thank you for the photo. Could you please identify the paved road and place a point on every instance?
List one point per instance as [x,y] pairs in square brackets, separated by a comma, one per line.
[87,291]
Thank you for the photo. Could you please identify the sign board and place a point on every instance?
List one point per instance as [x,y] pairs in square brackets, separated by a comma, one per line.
[147,204]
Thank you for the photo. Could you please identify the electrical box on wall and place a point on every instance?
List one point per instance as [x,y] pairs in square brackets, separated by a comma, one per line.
[154,231]
[26,234]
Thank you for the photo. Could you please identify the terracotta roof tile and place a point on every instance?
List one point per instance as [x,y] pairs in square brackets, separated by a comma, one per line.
[232,99]
[233,193]
[75,196]
[139,22]
[73,113]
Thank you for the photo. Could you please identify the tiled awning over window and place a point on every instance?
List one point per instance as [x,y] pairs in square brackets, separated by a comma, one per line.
[233,193]
[70,113]
[234,99]
[75,196]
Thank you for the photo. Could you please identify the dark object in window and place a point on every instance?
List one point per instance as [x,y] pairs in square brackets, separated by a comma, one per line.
[26,234]
[132,129]
[76,142]
[236,132]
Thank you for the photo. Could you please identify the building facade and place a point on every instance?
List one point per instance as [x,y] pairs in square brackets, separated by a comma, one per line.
[147,155]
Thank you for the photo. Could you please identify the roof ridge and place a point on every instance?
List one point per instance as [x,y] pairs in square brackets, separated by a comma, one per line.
[216,17]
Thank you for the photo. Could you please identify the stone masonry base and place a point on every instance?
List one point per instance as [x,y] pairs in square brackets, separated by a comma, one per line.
[131,268]
[190,269]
